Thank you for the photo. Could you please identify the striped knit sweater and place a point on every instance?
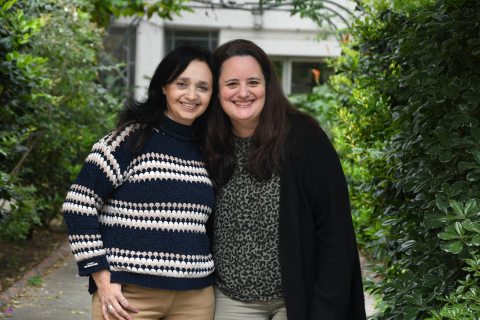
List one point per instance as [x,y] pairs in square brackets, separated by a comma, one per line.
[142,215]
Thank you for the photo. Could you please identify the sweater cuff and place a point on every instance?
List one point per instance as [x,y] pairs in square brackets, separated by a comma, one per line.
[88,266]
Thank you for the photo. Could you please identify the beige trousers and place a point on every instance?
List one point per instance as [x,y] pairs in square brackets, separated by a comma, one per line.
[227,308]
[154,304]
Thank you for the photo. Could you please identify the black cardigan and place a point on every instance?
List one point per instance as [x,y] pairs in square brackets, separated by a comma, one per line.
[319,260]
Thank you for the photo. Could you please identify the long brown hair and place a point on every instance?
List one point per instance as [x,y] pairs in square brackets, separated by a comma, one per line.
[271,133]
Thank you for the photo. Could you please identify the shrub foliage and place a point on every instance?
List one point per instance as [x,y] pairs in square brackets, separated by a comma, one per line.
[407,114]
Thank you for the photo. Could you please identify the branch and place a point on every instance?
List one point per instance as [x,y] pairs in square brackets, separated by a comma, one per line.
[22,160]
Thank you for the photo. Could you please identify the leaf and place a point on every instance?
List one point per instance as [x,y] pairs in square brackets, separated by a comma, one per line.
[475,132]
[442,205]
[448,236]
[471,226]
[474,175]
[453,247]
[475,241]
[456,188]
[406,94]
[471,122]
[447,156]
[451,92]
[457,207]
[468,165]
[77,312]
[442,136]
[476,155]
[446,189]
[473,97]
[459,228]
[470,206]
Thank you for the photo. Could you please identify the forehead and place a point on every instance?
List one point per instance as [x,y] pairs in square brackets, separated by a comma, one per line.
[197,70]
[241,67]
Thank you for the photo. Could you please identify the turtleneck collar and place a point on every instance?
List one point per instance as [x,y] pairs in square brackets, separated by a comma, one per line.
[175,129]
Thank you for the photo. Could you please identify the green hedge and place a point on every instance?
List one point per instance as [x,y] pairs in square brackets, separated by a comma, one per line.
[53,107]
[406,114]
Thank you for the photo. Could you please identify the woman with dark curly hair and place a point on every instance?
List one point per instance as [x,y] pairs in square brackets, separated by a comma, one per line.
[283,238]
[136,213]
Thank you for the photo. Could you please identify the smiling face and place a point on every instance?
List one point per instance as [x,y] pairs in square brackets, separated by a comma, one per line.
[188,95]
[242,93]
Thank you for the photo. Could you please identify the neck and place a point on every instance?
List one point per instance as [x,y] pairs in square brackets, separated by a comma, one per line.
[243,130]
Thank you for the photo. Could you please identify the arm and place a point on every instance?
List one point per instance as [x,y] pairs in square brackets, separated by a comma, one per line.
[96,181]
[81,208]
[338,288]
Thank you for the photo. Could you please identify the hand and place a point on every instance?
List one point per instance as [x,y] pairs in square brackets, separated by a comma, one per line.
[111,294]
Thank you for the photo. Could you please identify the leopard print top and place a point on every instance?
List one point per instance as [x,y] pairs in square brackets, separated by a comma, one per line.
[246,239]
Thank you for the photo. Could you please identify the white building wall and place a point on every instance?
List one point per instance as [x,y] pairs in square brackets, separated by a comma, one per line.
[279,34]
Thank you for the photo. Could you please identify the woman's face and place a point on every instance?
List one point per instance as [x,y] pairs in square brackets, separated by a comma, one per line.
[188,95]
[242,92]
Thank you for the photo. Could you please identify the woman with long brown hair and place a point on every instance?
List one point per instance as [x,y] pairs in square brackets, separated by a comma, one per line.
[283,238]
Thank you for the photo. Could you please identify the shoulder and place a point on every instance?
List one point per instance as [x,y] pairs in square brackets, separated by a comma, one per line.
[115,140]
[306,130]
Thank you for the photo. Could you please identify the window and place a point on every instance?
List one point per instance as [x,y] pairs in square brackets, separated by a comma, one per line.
[120,46]
[177,38]
[303,79]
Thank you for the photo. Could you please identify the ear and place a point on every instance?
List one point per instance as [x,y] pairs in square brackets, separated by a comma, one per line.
[164,89]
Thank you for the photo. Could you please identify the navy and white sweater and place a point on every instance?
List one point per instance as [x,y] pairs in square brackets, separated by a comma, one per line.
[142,214]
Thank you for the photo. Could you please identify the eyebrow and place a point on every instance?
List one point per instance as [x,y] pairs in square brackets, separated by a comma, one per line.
[188,79]
[251,78]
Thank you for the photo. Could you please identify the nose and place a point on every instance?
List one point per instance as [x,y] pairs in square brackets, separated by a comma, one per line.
[243,92]
[191,94]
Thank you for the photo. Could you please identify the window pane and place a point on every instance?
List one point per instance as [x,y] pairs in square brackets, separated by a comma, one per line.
[191,34]
[191,42]
[177,38]
[303,79]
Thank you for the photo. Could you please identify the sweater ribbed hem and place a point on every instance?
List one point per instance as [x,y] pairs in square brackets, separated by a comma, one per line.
[160,282]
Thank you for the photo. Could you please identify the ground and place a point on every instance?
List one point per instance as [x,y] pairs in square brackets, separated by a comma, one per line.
[16,259]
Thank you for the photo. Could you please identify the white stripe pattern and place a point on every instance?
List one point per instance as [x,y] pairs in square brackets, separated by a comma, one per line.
[165,214]
[152,224]
[200,267]
[167,175]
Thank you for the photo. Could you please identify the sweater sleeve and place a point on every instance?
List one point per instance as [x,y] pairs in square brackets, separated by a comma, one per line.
[338,290]
[96,181]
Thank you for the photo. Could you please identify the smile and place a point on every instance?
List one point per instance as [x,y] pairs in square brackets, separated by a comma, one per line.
[243,104]
[188,105]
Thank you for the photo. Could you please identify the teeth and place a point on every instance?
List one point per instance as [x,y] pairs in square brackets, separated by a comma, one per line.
[242,104]
[188,105]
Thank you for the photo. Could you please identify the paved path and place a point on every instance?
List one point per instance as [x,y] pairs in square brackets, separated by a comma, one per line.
[64,296]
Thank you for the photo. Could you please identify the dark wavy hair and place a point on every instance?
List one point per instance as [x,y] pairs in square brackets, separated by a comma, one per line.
[149,111]
[270,134]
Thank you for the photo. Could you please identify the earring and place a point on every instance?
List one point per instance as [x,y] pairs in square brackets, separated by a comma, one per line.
[163,92]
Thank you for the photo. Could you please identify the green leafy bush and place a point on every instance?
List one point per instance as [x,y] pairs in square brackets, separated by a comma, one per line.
[408,95]
[435,230]
[53,120]
[20,74]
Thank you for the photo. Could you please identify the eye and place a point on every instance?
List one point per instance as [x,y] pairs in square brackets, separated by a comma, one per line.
[253,82]
[181,84]
[232,84]
[203,88]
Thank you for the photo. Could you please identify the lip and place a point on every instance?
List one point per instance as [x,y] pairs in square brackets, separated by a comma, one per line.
[188,107]
[250,102]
